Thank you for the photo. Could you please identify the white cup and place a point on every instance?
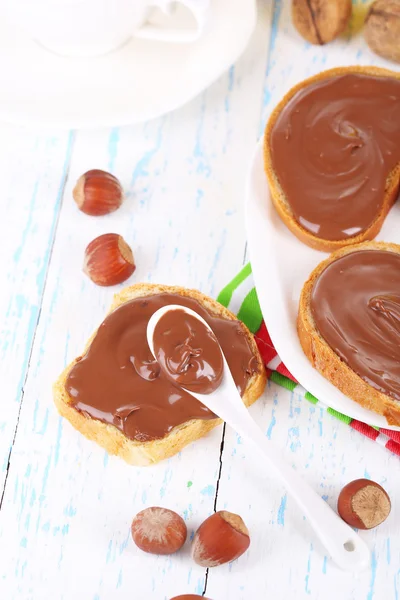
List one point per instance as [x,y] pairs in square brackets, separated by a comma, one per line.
[95,27]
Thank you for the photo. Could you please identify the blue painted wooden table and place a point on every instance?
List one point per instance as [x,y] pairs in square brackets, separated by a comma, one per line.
[66,506]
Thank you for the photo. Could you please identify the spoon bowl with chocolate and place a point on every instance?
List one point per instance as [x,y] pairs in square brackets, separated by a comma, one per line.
[190,356]
[332,155]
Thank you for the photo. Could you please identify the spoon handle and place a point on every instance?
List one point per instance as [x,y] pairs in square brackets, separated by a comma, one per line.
[346,548]
[343,544]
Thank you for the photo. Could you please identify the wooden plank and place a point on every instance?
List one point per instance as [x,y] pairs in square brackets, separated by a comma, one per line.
[32,175]
[285,559]
[67,506]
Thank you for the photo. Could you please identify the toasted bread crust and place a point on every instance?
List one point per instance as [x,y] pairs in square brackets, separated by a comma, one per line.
[326,361]
[277,195]
[146,453]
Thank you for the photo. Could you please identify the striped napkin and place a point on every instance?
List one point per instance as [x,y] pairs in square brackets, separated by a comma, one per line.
[240,297]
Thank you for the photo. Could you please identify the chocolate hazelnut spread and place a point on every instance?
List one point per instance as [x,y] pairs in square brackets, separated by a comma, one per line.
[332,147]
[188,352]
[119,382]
[355,303]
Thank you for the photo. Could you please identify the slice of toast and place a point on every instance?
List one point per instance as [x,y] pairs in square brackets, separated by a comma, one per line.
[278,197]
[150,452]
[326,361]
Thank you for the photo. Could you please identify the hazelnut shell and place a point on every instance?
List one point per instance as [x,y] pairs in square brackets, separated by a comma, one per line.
[158,530]
[108,260]
[363,504]
[189,597]
[98,193]
[221,538]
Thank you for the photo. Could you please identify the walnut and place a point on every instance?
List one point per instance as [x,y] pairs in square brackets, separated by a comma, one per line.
[382,28]
[321,21]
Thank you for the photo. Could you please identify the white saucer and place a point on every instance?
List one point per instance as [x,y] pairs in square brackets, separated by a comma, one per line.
[281,264]
[140,81]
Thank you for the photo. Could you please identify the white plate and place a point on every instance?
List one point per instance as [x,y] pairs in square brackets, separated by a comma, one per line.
[281,264]
[140,81]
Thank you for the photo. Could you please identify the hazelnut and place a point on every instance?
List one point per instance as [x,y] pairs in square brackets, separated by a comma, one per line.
[223,537]
[363,504]
[108,260]
[158,530]
[382,29]
[189,597]
[98,193]
[321,21]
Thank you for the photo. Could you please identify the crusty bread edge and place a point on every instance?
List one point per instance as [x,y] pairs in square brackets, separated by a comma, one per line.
[147,453]
[326,361]
[277,195]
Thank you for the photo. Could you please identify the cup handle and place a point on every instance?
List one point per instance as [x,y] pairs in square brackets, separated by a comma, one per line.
[199,9]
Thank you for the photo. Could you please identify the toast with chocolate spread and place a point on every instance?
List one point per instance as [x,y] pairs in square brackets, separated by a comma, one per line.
[116,394]
[349,324]
[332,155]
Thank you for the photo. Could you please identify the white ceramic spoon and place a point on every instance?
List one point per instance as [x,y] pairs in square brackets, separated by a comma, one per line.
[345,547]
